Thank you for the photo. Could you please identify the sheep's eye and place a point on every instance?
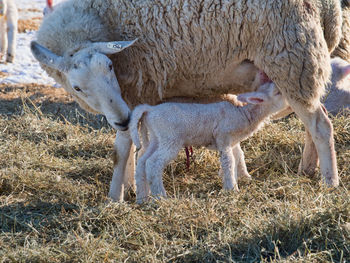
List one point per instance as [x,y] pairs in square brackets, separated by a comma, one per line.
[77,88]
[110,67]
[75,66]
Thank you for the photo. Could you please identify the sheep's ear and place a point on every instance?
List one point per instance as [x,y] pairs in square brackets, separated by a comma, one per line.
[252,97]
[112,47]
[46,56]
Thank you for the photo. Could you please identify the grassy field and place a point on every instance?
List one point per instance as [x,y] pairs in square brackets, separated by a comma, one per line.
[55,169]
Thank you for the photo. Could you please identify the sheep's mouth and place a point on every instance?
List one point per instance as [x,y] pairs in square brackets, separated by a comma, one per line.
[122,126]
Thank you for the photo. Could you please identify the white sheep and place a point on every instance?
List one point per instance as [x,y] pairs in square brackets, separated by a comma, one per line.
[191,49]
[220,126]
[48,8]
[8,29]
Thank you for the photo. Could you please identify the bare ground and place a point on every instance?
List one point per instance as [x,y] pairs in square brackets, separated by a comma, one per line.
[55,169]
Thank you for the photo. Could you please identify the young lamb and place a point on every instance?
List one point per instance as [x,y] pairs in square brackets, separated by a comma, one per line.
[8,29]
[221,126]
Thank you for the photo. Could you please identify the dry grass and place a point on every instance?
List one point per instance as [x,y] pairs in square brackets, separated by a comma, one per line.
[55,169]
[25,25]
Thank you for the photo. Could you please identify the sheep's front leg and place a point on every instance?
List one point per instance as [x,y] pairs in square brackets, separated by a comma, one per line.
[229,169]
[3,38]
[309,161]
[123,174]
[12,36]
[321,130]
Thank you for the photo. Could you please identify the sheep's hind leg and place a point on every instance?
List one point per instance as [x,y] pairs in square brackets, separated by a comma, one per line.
[123,174]
[321,130]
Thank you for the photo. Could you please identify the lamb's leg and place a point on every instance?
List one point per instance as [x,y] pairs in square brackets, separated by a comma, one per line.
[309,161]
[321,130]
[123,154]
[142,186]
[155,165]
[12,36]
[238,154]
[228,167]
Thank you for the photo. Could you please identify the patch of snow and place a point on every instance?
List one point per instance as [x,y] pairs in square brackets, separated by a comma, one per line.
[26,68]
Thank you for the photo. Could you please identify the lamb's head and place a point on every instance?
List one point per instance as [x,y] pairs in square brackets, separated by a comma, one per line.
[267,94]
[91,78]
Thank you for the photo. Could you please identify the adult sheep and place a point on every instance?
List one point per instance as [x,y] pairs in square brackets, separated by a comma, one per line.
[189,49]
[8,29]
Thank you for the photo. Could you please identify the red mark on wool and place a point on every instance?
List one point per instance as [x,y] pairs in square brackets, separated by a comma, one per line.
[49,3]
[189,153]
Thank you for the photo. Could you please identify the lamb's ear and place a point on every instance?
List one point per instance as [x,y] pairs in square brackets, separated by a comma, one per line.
[252,97]
[112,47]
[345,71]
[46,56]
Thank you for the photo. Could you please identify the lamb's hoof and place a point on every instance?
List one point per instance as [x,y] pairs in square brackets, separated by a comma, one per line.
[244,177]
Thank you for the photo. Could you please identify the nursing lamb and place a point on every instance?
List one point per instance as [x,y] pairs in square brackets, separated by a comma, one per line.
[168,127]
[8,29]
[191,49]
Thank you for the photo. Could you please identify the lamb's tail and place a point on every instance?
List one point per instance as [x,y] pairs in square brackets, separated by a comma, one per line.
[136,117]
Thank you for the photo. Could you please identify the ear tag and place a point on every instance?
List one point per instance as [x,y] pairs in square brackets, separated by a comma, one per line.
[114,46]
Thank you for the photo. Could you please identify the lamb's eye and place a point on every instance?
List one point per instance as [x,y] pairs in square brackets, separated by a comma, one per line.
[75,66]
[77,88]
[110,67]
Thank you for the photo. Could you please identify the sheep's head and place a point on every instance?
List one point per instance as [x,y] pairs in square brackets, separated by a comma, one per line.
[91,77]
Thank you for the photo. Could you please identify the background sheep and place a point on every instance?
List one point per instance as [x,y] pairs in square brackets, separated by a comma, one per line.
[337,97]
[8,29]
[191,49]
[48,8]
[221,126]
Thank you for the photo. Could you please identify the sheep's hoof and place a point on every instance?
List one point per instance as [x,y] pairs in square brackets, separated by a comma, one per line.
[10,58]
[142,200]
[309,171]
[331,182]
